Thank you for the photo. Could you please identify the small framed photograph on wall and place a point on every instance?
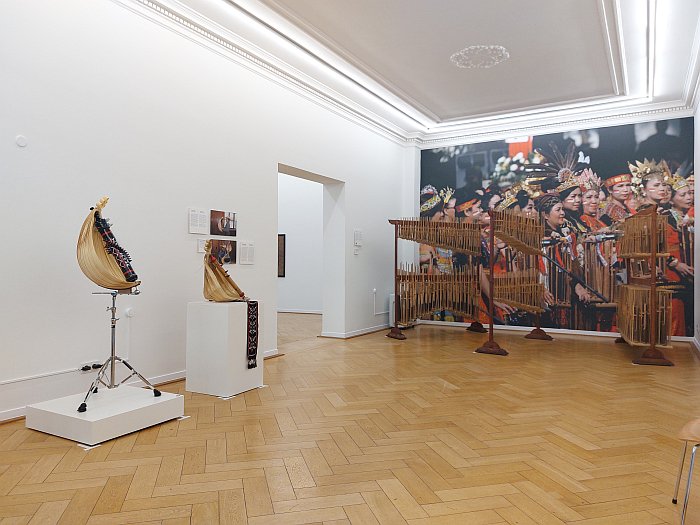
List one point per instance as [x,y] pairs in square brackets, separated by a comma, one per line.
[222,223]
[281,253]
[224,251]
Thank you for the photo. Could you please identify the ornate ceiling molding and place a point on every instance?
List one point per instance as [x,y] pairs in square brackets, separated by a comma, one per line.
[189,24]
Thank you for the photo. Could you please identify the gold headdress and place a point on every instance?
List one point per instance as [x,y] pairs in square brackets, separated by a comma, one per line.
[588,180]
[677,181]
[432,201]
[571,182]
[642,172]
[444,195]
[510,196]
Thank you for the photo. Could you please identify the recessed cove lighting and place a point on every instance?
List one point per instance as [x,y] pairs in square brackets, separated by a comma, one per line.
[479,57]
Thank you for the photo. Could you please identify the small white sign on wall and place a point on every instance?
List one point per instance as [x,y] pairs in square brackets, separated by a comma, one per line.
[246,252]
[198,221]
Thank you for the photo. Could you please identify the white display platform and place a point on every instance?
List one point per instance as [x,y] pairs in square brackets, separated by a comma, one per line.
[216,349]
[111,413]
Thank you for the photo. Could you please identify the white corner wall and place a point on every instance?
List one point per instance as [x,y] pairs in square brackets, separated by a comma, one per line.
[300,218]
[112,103]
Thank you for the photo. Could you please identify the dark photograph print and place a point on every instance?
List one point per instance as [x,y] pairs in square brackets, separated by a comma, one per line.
[224,251]
[222,223]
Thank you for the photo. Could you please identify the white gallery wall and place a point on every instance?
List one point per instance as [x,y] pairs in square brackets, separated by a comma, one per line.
[300,218]
[111,103]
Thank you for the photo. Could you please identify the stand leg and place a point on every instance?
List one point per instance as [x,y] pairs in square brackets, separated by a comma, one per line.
[156,392]
[396,333]
[652,356]
[477,327]
[538,333]
[687,488]
[491,347]
[93,386]
[680,472]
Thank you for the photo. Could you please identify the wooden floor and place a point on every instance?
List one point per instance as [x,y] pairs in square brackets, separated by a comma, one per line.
[373,430]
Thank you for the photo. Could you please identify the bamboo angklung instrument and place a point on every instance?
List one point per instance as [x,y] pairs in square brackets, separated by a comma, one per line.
[521,287]
[644,310]
[491,346]
[418,293]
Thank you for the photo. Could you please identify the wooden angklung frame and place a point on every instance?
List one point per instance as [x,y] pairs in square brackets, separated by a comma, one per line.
[519,288]
[417,293]
[644,308]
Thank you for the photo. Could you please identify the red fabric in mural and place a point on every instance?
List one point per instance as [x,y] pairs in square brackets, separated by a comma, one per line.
[520,147]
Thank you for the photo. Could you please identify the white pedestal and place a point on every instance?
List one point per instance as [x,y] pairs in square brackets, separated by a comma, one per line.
[111,413]
[216,349]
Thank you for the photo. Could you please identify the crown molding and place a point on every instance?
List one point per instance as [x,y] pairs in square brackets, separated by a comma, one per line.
[504,131]
[190,24]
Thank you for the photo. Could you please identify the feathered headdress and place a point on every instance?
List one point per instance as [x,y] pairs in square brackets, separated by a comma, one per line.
[558,170]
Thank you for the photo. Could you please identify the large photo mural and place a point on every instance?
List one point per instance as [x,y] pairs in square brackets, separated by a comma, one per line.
[582,185]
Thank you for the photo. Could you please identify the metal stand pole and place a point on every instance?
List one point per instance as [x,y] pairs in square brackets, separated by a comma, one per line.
[113,358]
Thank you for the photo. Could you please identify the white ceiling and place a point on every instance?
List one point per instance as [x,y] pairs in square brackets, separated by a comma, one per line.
[387,61]
[560,51]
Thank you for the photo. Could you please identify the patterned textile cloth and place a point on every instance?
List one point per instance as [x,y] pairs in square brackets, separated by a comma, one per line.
[252,330]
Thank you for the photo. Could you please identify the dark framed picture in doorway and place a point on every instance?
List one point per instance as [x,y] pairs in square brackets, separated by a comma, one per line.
[281,252]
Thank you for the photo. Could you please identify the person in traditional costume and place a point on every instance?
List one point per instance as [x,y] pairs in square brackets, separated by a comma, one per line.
[619,191]
[652,184]
[558,267]
[437,206]
[590,185]
[467,204]
[491,199]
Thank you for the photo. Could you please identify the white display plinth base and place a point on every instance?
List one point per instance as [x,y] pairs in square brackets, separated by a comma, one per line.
[111,413]
[216,349]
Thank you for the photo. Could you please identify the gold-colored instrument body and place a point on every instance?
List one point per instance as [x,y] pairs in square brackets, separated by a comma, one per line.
[218,285]
[98,265]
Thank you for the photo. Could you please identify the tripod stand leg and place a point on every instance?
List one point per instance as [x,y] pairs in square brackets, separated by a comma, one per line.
[93,386]
[156,392]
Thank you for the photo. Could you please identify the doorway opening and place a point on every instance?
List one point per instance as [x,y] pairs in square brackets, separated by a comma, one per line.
[311,256]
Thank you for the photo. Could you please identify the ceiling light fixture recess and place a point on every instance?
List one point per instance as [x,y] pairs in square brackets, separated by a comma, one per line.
[479,57]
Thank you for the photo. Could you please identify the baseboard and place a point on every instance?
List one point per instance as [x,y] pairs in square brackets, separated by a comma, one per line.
[287,311]
[12,414]
[270,353]
[695,345]
[561,331]
[355,333]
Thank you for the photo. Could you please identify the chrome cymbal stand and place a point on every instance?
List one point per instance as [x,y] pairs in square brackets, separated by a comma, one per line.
[111,362]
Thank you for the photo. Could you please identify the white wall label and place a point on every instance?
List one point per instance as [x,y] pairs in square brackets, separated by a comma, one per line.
[246,252]
[200,245]
[198,221]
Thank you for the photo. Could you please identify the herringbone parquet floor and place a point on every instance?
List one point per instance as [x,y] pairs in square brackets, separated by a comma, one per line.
[372,430]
